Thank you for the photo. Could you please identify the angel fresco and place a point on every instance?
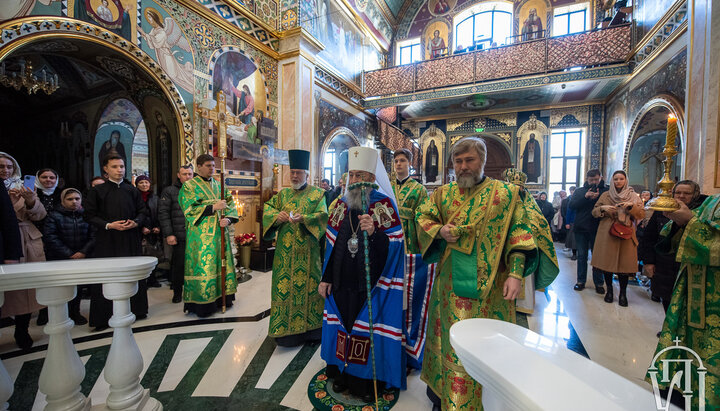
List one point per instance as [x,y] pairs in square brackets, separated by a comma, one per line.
[165,35]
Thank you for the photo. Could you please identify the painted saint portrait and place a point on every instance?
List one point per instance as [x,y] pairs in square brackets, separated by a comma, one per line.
[436,37]
[113,137]
[171,47]
[114,15]
[441,7]
[532,19]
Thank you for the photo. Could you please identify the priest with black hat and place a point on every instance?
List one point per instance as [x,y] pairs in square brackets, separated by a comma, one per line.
[298,216]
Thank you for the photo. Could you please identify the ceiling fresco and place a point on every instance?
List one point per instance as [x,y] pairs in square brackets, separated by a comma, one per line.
[547,95]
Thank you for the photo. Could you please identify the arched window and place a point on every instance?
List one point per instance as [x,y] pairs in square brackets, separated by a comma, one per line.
[483,26]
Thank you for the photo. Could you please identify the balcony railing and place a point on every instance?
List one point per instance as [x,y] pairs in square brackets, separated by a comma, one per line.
[590,48]
[63,371]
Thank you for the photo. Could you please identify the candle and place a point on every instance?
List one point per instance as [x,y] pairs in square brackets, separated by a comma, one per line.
[241,209]
[671,131]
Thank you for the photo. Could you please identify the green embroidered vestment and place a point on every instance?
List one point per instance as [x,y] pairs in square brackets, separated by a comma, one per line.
[296,306]
[409,196]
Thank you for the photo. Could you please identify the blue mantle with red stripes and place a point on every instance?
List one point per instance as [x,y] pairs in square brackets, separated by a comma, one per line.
[350,349]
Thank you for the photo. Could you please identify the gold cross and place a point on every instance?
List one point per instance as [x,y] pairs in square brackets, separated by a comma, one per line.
[223,119]
[356,153]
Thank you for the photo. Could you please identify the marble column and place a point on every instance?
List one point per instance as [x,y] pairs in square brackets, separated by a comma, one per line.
[703,95]
[298,49]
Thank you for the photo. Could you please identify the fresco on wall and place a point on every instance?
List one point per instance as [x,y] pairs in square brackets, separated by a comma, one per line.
[332,117]
[118,16]
[645,167]
[532,19]
[344,46]
[113,137]
[167,44]
[436,39]
[12,9]
[441,7]
[242,82]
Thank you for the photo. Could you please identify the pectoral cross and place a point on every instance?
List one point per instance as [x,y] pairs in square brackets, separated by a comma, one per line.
[223,119]
[356,153]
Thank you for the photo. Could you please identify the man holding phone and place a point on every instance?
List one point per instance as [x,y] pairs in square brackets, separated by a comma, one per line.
[118,212]
[586,226]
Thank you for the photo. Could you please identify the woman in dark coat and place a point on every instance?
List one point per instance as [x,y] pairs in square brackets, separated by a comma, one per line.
[46,187]
[660,266]
[68,236]
[546,207]
[151,241]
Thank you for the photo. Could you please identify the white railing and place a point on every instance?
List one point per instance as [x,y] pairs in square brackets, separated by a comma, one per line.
[63,371]
[521,370]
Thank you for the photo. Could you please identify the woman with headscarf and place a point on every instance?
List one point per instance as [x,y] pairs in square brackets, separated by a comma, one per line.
[547,209]
[46,184]
[662,267]
[151,242]
[69,236]
[615,250]
[22,303]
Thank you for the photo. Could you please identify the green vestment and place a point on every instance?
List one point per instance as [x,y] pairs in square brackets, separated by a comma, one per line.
[694,313]
[409,196]
[499,237]
[296,306]
[202,249]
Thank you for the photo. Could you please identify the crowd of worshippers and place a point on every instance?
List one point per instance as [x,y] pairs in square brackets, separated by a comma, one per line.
[346,257]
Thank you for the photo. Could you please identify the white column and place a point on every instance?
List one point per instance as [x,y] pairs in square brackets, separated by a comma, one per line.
[63,371]
[6,383]
[124,363]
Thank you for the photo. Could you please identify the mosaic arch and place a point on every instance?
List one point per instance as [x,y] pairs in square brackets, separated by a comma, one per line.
[17,33]
[673,105]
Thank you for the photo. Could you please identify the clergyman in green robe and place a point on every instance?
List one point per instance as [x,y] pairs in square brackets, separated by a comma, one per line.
[298,216]
[481,231]
[409,195]
[203,204]
[693,319]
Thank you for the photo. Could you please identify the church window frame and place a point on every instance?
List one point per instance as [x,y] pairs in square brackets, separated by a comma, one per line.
[566,19]
[409,51]
[567,159]
[500,15]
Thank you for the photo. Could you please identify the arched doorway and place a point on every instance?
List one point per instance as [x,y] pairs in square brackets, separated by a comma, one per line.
[95,68]
[498,158]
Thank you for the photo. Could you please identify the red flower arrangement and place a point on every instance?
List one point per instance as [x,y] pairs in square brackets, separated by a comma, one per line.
[244,239]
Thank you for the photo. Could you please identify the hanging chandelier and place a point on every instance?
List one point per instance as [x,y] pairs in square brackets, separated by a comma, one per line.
[26,78]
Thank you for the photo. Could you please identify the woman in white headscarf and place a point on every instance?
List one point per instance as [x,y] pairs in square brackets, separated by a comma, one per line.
[615,250]
[22,303]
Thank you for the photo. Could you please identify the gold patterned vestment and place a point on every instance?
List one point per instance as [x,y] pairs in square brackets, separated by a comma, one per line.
[202,249]
[497,240]
[693,317]
[409,196]
[296,306]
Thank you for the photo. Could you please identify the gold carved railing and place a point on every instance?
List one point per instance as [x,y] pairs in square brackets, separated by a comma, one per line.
[590,48]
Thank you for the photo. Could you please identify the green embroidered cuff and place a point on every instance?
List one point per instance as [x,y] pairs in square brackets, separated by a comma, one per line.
[516,265]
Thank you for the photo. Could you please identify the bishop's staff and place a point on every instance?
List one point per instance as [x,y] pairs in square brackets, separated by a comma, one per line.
[220,115]
[363,186]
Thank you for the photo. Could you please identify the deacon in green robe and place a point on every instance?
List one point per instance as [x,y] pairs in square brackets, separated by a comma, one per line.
[409,195]
[693,318]
[298,216]
[481,231]
[202,204]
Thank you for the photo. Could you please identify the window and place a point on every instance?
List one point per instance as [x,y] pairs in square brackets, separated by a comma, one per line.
[329,165]
[566,159]
[483,26]
[409,51]
[571,19]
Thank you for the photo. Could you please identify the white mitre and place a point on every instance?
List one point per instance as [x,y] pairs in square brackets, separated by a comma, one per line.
[362,159]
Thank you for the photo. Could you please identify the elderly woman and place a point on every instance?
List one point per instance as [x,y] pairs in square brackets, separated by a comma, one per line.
[28,208]
[152,241]
[661,267]
[615,249]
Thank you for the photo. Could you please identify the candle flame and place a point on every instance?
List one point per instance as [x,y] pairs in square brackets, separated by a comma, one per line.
[671,115]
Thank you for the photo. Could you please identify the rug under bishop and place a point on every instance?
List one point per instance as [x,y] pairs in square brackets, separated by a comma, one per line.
[323,398]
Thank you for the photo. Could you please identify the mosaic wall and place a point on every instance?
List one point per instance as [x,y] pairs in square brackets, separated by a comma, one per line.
[398,79]
[622,111]
[332,117]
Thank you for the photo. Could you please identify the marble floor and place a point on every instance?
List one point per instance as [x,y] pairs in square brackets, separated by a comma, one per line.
[227,361]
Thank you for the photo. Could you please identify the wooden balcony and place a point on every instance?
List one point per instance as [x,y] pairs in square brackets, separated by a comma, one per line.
[590,48]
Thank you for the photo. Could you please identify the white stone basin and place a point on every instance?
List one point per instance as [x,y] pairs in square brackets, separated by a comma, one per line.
[522,370]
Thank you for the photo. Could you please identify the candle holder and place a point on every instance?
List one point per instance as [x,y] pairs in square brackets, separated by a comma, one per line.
[664,201]
[243,250]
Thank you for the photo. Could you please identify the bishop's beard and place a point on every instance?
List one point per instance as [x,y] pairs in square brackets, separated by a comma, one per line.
[469,180]
[354,198]
[298,185]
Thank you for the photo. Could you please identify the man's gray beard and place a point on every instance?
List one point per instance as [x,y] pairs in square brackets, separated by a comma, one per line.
[470,181]
[354,199]
[297,186]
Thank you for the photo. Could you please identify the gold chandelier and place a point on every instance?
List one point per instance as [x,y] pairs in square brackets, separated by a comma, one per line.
[26,78]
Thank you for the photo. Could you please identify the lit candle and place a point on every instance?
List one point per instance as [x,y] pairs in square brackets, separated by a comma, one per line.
[241,209]
[671,131]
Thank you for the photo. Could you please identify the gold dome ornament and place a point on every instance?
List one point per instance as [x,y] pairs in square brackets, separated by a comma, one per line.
[664,201]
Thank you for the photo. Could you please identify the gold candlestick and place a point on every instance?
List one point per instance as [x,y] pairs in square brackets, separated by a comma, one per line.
[664,201]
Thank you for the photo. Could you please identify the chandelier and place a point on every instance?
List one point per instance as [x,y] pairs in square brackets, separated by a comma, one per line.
[26,78]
